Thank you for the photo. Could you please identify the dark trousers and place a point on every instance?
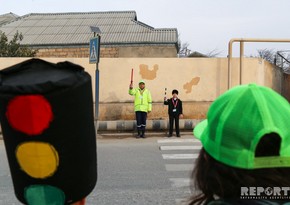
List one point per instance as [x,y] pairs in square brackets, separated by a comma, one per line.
[173,118]
[141,118]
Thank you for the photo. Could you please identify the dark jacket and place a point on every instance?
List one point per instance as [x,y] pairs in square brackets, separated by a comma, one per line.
[171,106]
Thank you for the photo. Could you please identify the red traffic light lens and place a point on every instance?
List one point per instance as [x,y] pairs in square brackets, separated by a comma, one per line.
[30,114]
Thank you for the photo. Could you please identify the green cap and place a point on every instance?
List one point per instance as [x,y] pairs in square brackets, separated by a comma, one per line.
[238,119]
[141,81]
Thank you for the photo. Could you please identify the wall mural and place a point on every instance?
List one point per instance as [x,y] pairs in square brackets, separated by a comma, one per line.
[146,73]
[188,86]
[151,74]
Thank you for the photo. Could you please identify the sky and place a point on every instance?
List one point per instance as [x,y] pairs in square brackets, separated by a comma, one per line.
[206,26]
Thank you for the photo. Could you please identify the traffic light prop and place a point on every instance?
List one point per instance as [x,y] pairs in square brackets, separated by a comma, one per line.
[46,115]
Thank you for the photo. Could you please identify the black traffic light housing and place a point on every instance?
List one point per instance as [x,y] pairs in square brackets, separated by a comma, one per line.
[46,115]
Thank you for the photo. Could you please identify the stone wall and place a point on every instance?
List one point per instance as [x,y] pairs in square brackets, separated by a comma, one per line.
[148,51]
[76,52]
[110,52]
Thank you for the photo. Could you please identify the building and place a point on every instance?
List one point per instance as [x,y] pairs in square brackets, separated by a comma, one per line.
[6,18]
[68,34]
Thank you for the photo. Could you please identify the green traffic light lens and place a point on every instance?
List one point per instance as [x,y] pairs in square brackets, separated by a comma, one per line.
[44,194]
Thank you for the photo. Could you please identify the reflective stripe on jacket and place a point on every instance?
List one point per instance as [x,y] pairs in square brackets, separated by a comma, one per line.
[143,100]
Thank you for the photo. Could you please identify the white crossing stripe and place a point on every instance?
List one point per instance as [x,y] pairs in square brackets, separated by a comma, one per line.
[193,147]
[177,140]
[179,156]
[179,167]
[184,149]
[182,201]
[180,182]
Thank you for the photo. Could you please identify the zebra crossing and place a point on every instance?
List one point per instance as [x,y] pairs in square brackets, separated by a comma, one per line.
[179,155]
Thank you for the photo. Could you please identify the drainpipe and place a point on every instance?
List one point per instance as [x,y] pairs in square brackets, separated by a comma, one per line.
[242,40]
[241,60]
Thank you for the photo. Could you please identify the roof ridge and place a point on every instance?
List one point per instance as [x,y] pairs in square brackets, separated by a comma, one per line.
[10,14]
[77,12]
[152,28]
[143,24]
[166,29]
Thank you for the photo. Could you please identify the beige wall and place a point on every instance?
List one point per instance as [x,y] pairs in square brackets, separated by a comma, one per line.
[199,81]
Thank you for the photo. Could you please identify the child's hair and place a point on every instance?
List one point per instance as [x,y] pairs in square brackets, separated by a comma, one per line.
[213,178]
[175,91]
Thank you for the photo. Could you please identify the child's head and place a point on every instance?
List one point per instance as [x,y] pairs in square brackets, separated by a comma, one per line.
[238,120]
[246,142]
[174,93]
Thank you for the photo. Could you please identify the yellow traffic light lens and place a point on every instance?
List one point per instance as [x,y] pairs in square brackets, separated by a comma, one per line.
[37,159]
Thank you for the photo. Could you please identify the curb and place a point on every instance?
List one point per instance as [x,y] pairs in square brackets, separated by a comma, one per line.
[152,125]
[148,134]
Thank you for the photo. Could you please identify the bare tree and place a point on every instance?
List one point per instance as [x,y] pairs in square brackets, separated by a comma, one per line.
[282,60]
[214,53]
[184,51]
[266,54]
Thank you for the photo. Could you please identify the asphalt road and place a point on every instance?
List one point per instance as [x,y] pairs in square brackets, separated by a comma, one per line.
[155,170]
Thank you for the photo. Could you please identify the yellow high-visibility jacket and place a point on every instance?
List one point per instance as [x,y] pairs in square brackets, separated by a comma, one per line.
[143,100]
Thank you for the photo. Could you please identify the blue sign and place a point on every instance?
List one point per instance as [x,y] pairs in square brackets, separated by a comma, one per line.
[94,50]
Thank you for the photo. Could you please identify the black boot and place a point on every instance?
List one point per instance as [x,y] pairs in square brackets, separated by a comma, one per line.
[139,135]
[143,134]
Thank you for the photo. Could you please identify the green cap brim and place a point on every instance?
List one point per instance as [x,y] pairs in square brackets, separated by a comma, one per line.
[199,128]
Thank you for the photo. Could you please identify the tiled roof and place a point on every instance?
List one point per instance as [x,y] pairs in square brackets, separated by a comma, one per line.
[117,27]
[5,18]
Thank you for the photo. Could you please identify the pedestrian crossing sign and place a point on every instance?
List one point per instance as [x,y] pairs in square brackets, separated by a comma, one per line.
[94,49]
